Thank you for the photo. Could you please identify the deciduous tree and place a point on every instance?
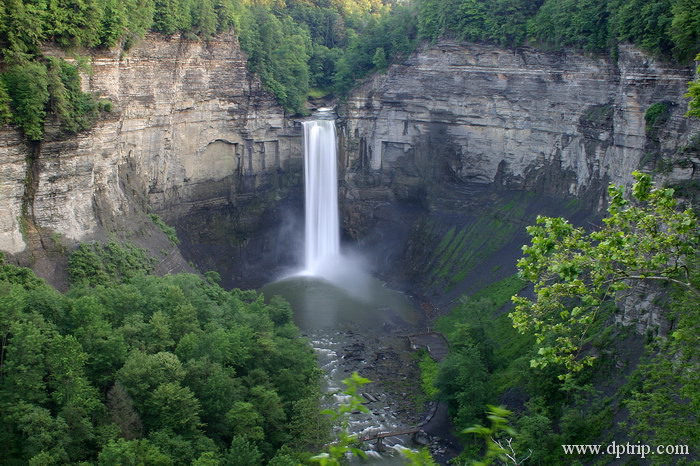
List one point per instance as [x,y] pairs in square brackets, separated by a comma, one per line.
[575,272]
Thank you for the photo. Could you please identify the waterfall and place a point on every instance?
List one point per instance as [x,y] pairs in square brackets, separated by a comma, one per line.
[321,184]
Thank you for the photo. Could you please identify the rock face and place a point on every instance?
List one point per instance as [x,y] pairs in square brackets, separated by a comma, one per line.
[485,139]
[191,130]
[13,172]
[193,138]
[556,123]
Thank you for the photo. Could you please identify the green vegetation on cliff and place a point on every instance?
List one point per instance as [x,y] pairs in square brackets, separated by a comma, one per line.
[297,48]
[309,47]
[129,368]
[693,94]
[664,27]
[575,374]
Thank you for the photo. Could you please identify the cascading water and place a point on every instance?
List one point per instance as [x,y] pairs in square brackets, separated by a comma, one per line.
[321,183]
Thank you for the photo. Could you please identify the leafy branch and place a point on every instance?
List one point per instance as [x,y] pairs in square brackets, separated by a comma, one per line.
[498,438]
[343,446]
[576,273]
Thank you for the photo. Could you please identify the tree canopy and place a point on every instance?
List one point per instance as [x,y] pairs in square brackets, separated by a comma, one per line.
[131,367]
[662,27]
[576,273]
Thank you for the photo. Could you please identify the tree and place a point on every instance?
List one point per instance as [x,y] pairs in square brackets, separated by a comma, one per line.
[242,452]
[21,25]
[40,433]
[5,109]
[133,452]
[143,373]
[114,23]
[139,19]
[204,20]
[166,18]
[577,23]
[24,370]
[463,383]
[121,407]
[379,59]
[694,95]
[498,438]
[643,22]
[685,29]
[308,427]
[173,407]
[27,86]
[71,22]
[576,273]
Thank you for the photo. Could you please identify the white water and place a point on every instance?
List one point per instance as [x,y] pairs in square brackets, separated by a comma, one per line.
[322,237]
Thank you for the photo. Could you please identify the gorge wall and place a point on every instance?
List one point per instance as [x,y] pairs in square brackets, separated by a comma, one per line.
[453,131]
[485,139]
[558,123]
[191,133]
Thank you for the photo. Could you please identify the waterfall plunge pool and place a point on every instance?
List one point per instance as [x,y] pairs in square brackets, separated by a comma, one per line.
[361,326]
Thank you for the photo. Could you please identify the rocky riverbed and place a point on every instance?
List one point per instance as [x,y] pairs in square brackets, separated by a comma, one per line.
[364,328]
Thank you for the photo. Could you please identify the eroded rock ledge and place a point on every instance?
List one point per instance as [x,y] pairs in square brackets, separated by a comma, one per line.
[195,139]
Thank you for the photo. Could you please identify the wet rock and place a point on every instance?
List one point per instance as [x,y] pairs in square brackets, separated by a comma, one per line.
[422,438]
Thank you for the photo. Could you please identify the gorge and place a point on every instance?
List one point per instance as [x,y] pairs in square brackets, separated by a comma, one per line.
[443,160]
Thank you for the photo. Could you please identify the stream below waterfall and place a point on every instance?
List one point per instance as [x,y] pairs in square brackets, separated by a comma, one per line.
[354,322]
[362,328]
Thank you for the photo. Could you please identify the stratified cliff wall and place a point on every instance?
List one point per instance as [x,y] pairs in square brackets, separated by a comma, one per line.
[193,138]
[558,123]
[191,131]
[474,141]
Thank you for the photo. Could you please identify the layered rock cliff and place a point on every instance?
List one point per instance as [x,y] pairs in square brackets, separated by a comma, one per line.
[194,138]
[191,132]
[485,139]
[559,123]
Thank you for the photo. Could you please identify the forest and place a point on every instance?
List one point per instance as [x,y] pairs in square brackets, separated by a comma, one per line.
[130,368]
[307,48]
[561,350]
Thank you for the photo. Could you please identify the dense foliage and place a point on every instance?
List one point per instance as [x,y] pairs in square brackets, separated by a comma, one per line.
[128,368]
[576,273]
[666,27]
[293,46]
[572,367]
[693,94]
[31,90]
[319,47]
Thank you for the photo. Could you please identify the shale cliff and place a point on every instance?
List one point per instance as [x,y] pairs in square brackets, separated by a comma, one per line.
[474,141]
[559,123]
[455,131]
[191,132]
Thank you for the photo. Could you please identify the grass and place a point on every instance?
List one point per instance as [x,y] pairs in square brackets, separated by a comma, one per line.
[460,250]
[316,93]
[458,253]
[480,306]
[428,375]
